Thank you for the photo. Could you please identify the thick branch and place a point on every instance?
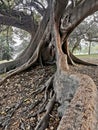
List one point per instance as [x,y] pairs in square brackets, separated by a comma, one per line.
[79,13]
[25,24]
[37,7]
[91,40]
[59,8]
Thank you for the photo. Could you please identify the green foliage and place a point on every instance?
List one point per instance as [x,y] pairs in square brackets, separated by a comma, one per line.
[12,42]
[84,34]
[7,4]
[5,43]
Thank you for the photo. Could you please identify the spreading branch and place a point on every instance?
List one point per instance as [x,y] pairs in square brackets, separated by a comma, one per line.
[40,9]
[79,13]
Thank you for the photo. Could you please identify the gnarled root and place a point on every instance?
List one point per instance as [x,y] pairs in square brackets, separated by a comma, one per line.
[79,61]
[45,119]
[81,112]
[45,104]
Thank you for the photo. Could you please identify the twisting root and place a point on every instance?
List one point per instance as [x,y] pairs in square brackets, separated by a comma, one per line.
[47,86]
[31,61]
[5,121]
[79,61]
[42,125]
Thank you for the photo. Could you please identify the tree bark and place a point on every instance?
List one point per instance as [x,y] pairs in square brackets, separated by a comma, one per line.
[89,49]
[81,113]
[65,84]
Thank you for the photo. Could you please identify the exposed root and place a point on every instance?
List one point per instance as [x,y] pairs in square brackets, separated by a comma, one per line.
[39,90]
[70,61]
[48,85]
[43,123]
[42,109]
[32,106]
[45,119]
[81,113]
[5,121]
[79,61]
[22,125]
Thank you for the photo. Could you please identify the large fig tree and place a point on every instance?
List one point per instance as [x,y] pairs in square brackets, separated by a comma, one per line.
[58,18]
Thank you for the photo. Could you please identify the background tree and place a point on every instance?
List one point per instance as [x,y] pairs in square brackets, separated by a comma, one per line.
[5,43]
[13,42]
[85,33]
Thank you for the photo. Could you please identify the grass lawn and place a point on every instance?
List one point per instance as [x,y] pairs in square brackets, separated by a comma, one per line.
[95,56]
[3,61]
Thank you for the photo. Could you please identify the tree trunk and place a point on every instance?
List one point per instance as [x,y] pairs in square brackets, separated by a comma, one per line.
[89,48]
[66,85]
[65,48]
[61,36]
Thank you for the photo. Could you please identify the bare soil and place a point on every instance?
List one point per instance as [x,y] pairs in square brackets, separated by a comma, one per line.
[17,101]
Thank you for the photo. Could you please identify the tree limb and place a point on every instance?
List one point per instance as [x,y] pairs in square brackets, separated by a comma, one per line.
[37,7]
[79,13]
[24,22]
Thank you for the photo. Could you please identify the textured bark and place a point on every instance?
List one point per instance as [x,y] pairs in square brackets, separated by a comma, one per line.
[60,56]
[61,37]
[78,14]
[81,113]
[26,23]
[75,93]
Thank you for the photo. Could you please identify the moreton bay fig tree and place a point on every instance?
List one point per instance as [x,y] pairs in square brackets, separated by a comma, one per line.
[50,22]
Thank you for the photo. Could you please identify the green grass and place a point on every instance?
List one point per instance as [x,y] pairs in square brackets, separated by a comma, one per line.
[88,56]
[3,61]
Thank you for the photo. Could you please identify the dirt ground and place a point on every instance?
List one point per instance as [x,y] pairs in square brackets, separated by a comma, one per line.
[19,104]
